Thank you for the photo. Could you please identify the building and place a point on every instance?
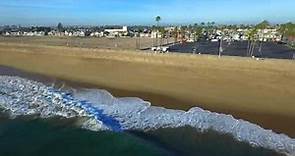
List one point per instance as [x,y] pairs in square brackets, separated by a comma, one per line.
[97,34]
[117,32]
[156,34]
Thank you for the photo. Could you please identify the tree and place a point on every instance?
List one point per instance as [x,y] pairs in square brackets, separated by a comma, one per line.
[158,19]
[175,34]
[263,25]
[60,27]
[198,33]
[203,24]
[287,29]
[208,24]
[182,32]
[251,41]
[163,33]
[196,25]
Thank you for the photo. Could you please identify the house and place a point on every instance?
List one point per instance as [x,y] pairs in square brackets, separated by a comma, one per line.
[97,34]
[117,32]
[6,34]
[79,33]
[156,34]
[142,35]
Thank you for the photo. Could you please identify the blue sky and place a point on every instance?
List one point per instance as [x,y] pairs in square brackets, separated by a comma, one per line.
[130,12]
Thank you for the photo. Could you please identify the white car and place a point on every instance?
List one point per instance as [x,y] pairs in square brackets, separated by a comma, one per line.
[154,48]
[165,49]
[214,40]
[160,49]
[190,41]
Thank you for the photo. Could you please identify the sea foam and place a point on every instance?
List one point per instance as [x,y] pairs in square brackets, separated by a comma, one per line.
[102,111]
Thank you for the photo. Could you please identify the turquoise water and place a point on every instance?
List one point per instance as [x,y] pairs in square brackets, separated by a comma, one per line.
[21,137]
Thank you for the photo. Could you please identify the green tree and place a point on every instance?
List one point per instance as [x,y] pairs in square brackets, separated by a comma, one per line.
[252,38]
[203,24]
[175,34]
[287,29]
[158,19]
[182,32]
[196,25]
[198,33]
[263,25]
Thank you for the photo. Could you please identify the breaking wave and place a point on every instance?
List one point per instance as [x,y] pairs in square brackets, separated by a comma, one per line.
[101,111]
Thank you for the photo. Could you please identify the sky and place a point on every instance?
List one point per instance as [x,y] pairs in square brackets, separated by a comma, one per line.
[143,12]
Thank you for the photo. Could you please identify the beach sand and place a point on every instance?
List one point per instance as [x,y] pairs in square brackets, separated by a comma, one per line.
[262,92]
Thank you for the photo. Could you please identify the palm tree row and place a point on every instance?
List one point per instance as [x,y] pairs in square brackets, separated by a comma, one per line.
[253,38]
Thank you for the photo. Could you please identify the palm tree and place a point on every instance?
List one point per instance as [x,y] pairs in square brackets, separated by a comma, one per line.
[175,34]
[283,29]
[158,19]
[251,42]
[182,33]
[197,33]
[263,25]
[203,24]
[162,32]
[287,29]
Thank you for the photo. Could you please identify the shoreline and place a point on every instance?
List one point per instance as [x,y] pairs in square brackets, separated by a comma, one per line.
[278,124]
[273,117]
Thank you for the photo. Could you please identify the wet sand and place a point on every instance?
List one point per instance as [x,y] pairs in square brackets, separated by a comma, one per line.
[261,92]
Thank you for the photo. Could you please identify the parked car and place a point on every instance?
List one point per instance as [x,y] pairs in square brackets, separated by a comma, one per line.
[160,49]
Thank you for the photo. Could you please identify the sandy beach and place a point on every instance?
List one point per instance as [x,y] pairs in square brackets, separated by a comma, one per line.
[259,91]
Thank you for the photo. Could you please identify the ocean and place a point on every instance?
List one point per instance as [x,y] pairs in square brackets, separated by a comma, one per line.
[59,137]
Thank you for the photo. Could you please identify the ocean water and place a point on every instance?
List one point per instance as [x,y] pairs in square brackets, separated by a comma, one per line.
[22,137]
[59,137]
